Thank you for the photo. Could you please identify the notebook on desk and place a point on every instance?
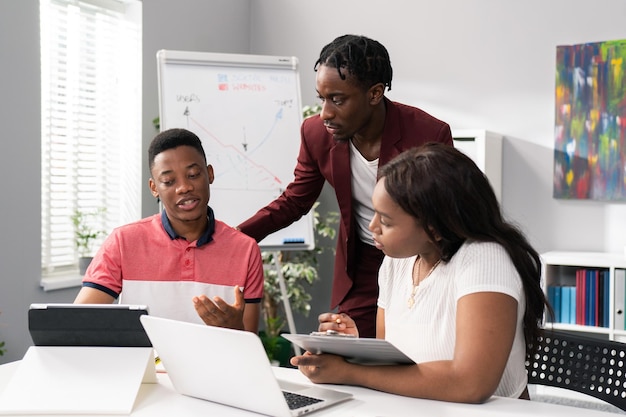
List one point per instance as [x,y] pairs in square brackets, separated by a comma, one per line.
[229,367]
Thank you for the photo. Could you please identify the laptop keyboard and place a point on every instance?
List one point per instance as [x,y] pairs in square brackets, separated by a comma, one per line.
[296,401]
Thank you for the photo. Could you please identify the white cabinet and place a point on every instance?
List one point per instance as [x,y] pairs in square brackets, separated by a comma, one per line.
[485,149]
[560,269]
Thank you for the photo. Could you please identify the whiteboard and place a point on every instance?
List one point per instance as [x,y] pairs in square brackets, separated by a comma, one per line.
[246,109]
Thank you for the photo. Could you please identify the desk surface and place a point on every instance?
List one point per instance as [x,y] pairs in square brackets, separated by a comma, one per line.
[155,400]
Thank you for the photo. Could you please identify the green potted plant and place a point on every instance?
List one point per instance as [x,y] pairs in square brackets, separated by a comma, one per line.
[308,111]
[85,234]
[299,270]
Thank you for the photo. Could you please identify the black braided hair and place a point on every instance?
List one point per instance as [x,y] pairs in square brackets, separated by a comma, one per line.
[365,59]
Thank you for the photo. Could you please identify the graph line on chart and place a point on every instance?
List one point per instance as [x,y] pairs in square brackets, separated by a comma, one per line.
[240,151]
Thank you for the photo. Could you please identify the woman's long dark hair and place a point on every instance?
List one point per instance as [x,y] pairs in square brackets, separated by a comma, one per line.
[450,196]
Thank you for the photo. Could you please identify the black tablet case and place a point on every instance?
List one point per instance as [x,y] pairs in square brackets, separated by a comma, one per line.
[87,325]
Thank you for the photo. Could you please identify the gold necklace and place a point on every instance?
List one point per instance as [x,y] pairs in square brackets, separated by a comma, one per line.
[411,301]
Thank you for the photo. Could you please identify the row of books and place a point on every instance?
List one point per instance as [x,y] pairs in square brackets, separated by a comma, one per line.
[587,302]
[563,302]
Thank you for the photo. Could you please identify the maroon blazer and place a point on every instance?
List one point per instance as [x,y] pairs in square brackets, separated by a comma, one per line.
[321,159]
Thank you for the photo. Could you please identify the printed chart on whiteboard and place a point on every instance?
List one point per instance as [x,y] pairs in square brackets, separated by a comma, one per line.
[246,110]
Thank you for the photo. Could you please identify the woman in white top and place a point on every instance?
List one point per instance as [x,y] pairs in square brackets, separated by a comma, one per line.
[459,286]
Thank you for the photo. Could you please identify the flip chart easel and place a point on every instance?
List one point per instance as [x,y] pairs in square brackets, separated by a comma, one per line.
[247,111]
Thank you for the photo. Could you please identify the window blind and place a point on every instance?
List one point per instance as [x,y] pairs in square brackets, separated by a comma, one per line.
[90,119]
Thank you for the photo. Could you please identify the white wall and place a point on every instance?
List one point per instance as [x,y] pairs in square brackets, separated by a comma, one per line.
[477,64]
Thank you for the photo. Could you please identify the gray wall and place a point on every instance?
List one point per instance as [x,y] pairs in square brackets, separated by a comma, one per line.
[478,64]
[20,242]
[188,25]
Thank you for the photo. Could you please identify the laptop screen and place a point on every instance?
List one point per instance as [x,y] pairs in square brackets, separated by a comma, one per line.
[87,325]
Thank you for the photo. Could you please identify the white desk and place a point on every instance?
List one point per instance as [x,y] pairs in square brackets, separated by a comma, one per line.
[156,400]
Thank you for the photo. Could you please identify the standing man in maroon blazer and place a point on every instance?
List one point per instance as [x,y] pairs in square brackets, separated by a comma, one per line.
[358,130]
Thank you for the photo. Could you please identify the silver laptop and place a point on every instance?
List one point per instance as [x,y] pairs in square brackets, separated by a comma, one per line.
[230,367]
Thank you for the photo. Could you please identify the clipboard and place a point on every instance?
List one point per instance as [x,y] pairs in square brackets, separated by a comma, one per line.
[354,349]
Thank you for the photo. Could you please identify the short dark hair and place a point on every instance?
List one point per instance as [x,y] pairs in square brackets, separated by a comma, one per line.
[173,138]
[365,59]
[451,197]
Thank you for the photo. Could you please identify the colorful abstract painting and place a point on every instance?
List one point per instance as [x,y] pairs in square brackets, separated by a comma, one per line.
[590,121]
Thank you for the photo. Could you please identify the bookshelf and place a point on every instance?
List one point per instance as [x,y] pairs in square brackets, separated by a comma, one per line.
[603,309]
[485,149]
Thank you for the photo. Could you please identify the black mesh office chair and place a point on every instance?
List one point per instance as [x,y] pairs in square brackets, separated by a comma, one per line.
[587,365]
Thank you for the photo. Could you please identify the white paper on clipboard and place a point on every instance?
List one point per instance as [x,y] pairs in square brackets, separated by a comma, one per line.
[355,349]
